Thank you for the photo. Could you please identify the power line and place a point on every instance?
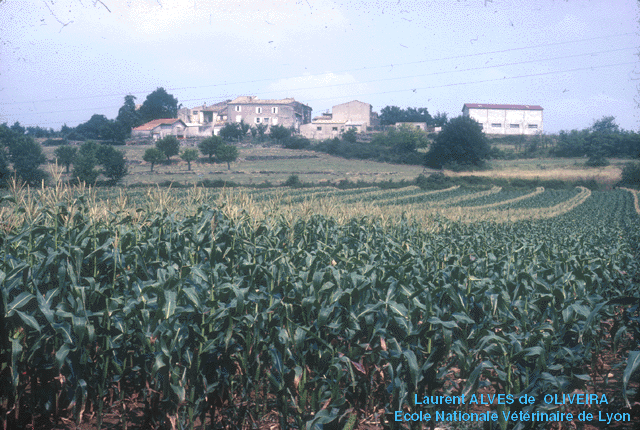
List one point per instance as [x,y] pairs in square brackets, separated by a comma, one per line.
[447,85]
[372,81]
[340,71]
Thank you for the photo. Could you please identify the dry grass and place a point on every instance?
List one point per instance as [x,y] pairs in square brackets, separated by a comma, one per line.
[550,170]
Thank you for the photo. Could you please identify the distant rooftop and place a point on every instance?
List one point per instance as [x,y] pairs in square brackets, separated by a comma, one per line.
[492,106]
[156,122]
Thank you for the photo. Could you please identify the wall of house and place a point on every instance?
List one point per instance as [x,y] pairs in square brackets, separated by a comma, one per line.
[507,121]
[322,131]
[289,115]
[354,111]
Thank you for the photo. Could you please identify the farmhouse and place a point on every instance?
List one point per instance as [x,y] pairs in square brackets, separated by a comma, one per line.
[159,128]
[253,111]
[506,119]
[204,121]
[353,114]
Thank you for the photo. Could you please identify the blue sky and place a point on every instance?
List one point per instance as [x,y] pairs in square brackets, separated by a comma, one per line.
[63,60]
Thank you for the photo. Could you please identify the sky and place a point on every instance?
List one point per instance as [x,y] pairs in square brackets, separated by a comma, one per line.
[61,61]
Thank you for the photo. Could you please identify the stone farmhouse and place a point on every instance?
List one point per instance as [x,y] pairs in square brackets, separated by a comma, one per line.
[354,114]
[204,121]
[253,111]
[506,119]
[159,128]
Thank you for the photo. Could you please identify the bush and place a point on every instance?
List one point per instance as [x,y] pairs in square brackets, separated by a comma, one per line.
[293,181]
[296,142]
[597,161]
[631,175]
[435,181]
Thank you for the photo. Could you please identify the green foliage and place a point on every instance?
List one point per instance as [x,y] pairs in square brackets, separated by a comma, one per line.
[208,146]
[128,116]
[402,140]
[113,162]
[158,105]
[296,142]
[189,155]
[231,131]
[65,155]
[84,168]
[85,162]
[227,154]
[631,175]
[461,143]
[603,139]
[350,135]
[597,160]
[394,146]
[435,181]
[169,145]
[261,129]
[309,320]
[279,132]
[5,172]
[390,115]
[293,181]
[153,156]
[26,156]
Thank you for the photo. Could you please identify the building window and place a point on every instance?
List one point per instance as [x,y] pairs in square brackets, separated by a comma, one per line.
[334,128]
[238,108]
[195,112]
[533,125]
[238,118]
[258,110]
[265,120]
[257,120]
[274,121]
[319,128]
[514,125]
[274,110]
[496,125]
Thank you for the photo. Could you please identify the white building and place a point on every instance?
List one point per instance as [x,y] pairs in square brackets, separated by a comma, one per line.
[506,119]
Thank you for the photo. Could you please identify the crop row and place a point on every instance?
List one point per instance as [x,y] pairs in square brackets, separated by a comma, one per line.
[207,318]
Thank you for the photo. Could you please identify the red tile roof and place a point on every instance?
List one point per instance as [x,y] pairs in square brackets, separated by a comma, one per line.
[492,106]
[156,122]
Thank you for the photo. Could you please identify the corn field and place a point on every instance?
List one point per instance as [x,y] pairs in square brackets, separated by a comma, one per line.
[306,309]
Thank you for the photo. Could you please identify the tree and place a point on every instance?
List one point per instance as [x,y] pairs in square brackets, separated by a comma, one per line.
[279,132]
[393,114]
[631,175]
[244,128]
[231,131]
[227,154]
[261,129]
[208,146]
[159,104]
[27,156]
[153,156]
[169,145]
[84,165]
[65,155]
[114,163]
[351,135]
[189,155]
[128,116]
[460,144]
[5,173]
[440,119]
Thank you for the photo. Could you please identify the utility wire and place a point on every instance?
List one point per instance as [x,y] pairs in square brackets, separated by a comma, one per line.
[340,71]
[377,80]
[420,88]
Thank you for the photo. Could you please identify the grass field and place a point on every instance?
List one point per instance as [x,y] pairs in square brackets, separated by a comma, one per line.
[258,164]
